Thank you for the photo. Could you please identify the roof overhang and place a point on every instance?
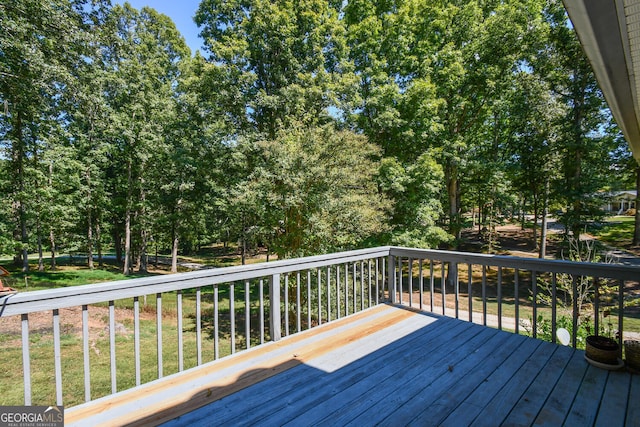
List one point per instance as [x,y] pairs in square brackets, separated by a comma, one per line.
[609,31]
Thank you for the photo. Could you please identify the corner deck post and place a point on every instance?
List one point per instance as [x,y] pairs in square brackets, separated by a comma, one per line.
[275,322]
[391,277]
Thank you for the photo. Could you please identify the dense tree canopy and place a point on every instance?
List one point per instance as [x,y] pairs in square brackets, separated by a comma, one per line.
[305,126]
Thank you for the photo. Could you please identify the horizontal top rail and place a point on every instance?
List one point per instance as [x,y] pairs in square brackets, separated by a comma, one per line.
[601,270]
[49,299]
[28,302]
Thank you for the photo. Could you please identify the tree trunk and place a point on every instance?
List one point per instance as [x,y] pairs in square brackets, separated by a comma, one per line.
[126,270]
[142,263]
[40,257]
[534,230]
[545,210]
[89,240]
[99,245]
[52,240]
[636,228]
[89,222]
[117,243]
[127,224]
[174,253]
[453,193]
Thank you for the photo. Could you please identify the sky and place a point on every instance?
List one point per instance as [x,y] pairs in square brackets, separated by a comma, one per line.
[181,13]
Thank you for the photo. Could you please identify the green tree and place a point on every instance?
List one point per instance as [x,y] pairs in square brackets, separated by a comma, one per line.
[42,44]
[431,81]
[281,62]
[583,145]
[416,191]
[314,191]
[142,57]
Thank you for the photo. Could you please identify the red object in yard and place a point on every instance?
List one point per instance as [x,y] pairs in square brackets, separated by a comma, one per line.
[5,290]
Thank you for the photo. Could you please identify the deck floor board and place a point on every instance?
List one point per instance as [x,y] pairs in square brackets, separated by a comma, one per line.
[388,365]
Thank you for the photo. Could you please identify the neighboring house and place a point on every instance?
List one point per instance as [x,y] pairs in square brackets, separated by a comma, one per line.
[620,202]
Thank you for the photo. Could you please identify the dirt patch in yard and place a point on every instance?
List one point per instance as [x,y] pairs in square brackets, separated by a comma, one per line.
[70,323]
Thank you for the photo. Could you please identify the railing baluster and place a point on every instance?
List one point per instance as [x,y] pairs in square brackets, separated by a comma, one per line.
[410,280]
[384,278]
[309,299]
[355,279]
[338,292]
[232,315]
[319,275]
[534,290]
[198,327]
[180,334]
[432,285]
[298,308]
[443,290]
[328,294]
[136,337]
[484,295]
[85,353]
[421,282]
[369,280]
[159,332]
[26,360]
[553,307]
[516,298]
[112,346]
[361,285]
[286,305]
[400,284]
[596,307]
[574,334]
[216,323]
[377,279]
[470,291]
[456,287]
[57,356]
[620,315]
[391,278]
[500,298]
[247,314]
[261,311]
[346,289]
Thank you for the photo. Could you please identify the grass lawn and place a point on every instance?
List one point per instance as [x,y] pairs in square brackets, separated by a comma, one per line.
[616,231]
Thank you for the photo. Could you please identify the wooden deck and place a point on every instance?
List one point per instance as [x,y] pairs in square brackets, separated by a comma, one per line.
[390,366]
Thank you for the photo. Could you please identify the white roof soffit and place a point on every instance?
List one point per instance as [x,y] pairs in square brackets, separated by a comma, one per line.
[609,31]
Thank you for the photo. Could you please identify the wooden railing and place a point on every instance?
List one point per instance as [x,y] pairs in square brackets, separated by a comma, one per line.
[235,308]
[535,291]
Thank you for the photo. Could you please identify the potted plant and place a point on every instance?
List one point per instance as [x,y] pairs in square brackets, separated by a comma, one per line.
[632,355]
[603,349]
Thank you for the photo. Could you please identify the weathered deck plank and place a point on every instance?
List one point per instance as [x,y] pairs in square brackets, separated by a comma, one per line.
[633,408]
[525,411]
[377,388]
[585,405]
[388,366]
[303,385]
[480,397]
[509,395]
[559,402]
[613,407]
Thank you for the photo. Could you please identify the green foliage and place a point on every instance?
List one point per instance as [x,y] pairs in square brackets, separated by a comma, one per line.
[415,190]
[312,191]
[113,135]
[545,332]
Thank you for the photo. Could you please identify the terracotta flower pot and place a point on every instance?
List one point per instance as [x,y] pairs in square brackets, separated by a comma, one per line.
[602,349]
